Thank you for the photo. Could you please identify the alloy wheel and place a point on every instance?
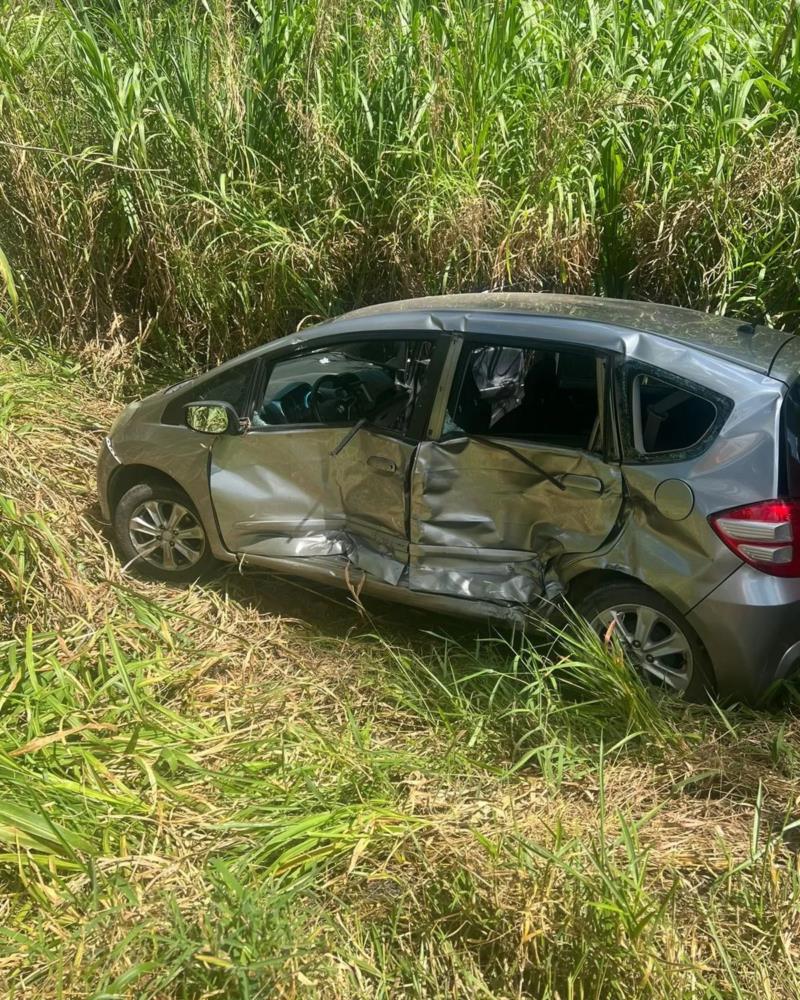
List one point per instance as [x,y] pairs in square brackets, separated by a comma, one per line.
[166,534]
[651,642]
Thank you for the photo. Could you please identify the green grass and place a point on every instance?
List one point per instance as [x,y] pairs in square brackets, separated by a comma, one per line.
[196,177]
[248,789]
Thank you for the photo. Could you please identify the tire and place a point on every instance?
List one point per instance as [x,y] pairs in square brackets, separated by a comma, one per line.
[644,622]
[161,518]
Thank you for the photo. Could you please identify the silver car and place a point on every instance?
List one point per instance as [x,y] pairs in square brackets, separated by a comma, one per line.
[491,455]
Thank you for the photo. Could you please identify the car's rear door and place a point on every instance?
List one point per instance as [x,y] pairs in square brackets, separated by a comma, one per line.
[312,477]
[522,470]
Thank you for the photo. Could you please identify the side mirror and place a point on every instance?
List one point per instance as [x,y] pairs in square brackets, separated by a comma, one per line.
[212,418]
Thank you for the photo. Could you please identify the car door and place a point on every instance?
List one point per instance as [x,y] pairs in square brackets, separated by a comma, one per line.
[322,470]
[520,473]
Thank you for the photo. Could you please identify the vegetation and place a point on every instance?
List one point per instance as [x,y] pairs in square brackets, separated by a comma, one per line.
[251,788]
[198,176]
[203,794]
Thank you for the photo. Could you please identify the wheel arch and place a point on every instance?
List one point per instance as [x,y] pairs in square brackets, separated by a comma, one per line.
[127,476]
[583,583]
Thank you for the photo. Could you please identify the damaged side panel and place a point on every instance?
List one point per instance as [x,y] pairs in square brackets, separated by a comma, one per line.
[485,523]
[683,558]
[300,501]
[664,535]
[275,493]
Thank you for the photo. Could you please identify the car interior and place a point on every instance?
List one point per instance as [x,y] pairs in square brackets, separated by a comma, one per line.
[668,418]
[529,394]
[377,381]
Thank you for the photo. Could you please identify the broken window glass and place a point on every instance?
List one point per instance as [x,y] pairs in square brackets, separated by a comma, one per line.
[528,394]
[667,416]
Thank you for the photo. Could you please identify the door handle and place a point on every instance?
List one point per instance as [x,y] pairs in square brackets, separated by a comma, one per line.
[589,483]
[381,464]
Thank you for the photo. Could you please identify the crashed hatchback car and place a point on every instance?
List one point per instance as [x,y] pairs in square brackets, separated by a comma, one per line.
[489,455]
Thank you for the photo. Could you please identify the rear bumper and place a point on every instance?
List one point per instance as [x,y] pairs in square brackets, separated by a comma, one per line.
[750,626]
[107,462]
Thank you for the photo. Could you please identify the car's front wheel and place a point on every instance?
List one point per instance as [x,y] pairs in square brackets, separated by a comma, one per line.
[160,534]
[654,637]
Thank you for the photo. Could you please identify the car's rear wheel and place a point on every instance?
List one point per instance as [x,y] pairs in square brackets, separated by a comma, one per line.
[653,636]
[160,534]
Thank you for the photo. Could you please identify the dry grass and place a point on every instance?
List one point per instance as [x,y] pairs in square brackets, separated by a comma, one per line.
[241,790]
[251,788]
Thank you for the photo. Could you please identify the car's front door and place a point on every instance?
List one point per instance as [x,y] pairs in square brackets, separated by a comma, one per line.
[520,473]
[323,469]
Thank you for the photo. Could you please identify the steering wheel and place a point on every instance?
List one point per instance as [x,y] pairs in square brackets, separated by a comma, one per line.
[342,397]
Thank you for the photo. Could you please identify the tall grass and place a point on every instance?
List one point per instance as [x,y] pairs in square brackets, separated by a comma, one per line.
[197,177]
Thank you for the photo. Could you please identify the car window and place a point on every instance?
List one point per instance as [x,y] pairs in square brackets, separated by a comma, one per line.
[231,385]
[378,381]
[527,393]
[667,416]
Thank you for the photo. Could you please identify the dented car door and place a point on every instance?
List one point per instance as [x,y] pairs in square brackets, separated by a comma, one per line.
[322,471]
[520,473]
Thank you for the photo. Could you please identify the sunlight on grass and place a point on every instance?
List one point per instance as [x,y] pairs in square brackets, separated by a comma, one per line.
[201,795]
[246,789]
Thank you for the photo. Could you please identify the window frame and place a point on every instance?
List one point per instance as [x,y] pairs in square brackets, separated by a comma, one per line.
[609,450]
[173,412]
[422,406]
[627,417]
[789,473]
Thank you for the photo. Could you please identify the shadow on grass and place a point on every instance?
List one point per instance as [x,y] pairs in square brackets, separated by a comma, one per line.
[483,651]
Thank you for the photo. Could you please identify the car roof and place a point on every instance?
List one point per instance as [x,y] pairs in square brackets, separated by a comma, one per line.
[735,340]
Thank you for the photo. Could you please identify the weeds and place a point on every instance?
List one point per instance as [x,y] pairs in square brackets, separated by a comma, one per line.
[242,789]
[203,793]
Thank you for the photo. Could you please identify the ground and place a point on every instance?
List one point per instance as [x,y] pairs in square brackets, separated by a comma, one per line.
[253,788]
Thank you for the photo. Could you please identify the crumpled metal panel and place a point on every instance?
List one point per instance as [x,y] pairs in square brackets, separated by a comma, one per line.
[284,546]
[370,474]
[335,570]
[485,523]
[303,502]
[384,562]
[497,576]
[283,484]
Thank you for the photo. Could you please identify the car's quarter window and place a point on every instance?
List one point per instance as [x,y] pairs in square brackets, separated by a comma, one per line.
[529,393]
[231,385]
[377,381]
[666,418]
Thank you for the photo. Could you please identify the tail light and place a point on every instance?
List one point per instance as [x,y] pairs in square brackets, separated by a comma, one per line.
[766,535]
